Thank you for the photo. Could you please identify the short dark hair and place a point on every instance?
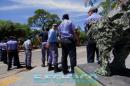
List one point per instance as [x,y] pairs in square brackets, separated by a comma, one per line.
[93,9]
[11,37]
[65,16]
[46,29]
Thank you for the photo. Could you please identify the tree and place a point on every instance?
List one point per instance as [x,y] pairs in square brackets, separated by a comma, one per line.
[43,19]
[8,28]
[90,2]
[108,5]
[82,37]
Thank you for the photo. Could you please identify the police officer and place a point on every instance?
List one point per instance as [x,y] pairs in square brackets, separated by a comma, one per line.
[4,51]
[68,36]
[53,49]
[0,50]
[44,50]
[91,45]
[28,53]
[12,47]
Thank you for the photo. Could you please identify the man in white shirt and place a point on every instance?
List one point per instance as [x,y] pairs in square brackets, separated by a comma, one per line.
[28,53]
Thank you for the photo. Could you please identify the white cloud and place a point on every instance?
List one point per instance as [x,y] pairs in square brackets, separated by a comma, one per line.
[66,5]
[6,8]
[14,7]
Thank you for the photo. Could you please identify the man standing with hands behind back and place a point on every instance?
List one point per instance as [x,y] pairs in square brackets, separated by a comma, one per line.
[68,36]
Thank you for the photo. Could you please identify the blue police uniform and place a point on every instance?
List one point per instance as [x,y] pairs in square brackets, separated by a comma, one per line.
[91,45]
[28,53]
[12,47]
[0,51]
[53,49]
[66,32]
[4,52]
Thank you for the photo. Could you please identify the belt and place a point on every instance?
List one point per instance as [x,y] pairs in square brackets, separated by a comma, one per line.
[28,49]
[12,50]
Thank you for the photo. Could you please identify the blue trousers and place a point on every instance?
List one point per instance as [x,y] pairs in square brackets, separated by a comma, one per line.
[4,56]
[28,54]
[45,52]
[53,54]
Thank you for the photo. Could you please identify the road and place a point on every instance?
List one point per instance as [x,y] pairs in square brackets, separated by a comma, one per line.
[9,77]
[38,75]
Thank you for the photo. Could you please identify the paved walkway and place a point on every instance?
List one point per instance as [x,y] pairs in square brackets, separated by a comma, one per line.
[39,76]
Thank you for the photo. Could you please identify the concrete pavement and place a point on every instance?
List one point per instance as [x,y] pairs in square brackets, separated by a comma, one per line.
[39,76]
[31,78]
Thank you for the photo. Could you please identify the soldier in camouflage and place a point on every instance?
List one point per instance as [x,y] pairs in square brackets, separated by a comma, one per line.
[112,34]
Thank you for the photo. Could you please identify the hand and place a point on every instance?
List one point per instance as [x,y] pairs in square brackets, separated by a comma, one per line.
[47,45]
[77,43]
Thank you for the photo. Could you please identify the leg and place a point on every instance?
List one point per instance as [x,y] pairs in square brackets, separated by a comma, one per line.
[43,54]
[0,55]
[64,57]
[16,59]
[5,56]
[105,65]
[55,57]
[10,57]
[28,58]
[47,51]
[91,47]
[50,60]
[97,53]
[72,55]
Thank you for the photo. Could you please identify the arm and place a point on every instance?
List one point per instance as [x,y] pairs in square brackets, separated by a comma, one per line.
[76,36]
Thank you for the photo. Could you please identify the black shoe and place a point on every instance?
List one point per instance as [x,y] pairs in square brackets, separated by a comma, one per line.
[29,67]
[56,69]
[50,68]
[65,72]
[8,69]
[43,65]
[19,67]
[72,70]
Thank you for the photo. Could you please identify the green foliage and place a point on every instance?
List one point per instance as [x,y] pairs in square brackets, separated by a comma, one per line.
[108,5]
[42,19]
[82,37]
[8,28]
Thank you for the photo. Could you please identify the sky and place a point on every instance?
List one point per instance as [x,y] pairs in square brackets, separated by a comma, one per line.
[21,10]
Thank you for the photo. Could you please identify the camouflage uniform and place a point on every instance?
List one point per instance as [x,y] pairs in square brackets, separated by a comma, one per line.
[112,33]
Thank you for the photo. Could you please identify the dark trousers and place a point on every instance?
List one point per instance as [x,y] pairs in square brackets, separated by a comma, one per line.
[4,56]
[45,52]
[1,55]
[68,48]
[91,49]
[13,54]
